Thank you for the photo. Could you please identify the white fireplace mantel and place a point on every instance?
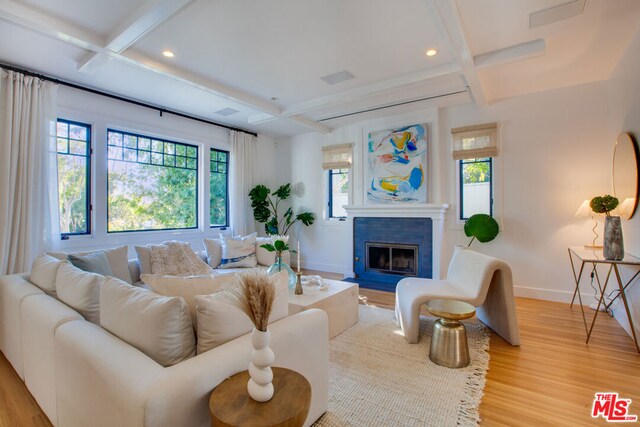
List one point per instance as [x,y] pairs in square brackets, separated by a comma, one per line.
[437,213]
[433,211]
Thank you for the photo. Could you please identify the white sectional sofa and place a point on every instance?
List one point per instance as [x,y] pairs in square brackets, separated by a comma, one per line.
[80,374]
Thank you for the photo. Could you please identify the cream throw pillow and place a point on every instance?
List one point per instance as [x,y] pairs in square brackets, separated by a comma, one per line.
[43,273]
[267,258]
[158,326]
[263,256]
[177,259]
[80,290]
[118,260]
[187,287]
[144,259]
[219,321]
[238,251]
[214,251]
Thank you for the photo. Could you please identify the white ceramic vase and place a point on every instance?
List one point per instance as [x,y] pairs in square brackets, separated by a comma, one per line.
[260,385]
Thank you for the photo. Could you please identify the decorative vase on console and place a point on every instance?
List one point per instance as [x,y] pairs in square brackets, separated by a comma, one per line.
[613,245]
[279,244]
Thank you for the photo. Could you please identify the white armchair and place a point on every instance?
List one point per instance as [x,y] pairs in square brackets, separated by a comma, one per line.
[482,281]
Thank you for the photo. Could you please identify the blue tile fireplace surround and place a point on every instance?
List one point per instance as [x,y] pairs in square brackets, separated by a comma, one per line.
[389,249]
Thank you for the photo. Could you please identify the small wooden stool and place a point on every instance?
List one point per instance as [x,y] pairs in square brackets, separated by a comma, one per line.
[230,404]
[449,345]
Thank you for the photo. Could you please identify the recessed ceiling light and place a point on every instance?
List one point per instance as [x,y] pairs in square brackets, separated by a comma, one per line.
[431,52]
[168,53]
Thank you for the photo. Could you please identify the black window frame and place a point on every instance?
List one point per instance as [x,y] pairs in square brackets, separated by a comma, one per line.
[331,173]
[461,164]
[218,162]
[151,139]
[89,153]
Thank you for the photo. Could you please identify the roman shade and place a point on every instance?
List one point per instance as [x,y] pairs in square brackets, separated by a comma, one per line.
[336,156]
[475,142]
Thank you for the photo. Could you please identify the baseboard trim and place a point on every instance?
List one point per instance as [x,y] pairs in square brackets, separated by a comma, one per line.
[551,295]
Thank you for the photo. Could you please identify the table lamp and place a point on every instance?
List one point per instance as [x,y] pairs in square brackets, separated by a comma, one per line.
[584,211]
[626,208]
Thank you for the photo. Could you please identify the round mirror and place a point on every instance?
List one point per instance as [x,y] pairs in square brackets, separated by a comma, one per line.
[625,175]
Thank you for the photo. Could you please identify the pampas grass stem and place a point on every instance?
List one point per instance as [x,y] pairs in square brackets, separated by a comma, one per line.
[254,294]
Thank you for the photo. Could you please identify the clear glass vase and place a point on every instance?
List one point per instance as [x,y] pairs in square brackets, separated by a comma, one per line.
[279,266]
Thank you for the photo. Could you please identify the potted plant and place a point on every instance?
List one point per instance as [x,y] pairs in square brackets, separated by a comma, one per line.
[482,227]
[265,209]
[613,245]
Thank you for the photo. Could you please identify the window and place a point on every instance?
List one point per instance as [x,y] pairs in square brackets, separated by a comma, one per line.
[74,172]
[476,194]
[336,160]
[474,147]
[219,188]
[338,192]
[152,184]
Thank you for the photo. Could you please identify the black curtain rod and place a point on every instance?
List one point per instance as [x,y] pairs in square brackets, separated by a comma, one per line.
[121,98]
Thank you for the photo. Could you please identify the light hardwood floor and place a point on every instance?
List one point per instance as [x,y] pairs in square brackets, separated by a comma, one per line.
[549,380]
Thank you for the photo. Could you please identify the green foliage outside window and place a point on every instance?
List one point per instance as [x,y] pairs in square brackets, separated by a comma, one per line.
[476,171]
[72,194]
[152,183]
[147,197]
[73,147]
[218,180]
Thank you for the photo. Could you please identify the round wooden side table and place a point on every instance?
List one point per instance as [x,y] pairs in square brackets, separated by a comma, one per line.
[230,404]
[449,345]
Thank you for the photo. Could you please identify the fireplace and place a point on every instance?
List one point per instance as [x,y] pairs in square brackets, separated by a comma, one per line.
[388,249]
[404,226]
[392,258]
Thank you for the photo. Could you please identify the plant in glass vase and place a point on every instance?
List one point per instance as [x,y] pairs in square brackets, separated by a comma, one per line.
[279,244]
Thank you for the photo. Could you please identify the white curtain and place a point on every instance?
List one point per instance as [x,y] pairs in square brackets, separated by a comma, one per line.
[243,155]
[28,170]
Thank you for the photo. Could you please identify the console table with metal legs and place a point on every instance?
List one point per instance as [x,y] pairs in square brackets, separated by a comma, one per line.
[593,257]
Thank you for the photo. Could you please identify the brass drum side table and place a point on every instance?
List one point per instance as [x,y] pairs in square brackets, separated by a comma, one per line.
[449,345]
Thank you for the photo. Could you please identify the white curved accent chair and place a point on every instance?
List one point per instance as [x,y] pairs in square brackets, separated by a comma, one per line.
[482,281]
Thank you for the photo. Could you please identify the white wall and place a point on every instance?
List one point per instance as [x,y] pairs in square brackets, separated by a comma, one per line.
[555,152]
[624,101]
[103,113]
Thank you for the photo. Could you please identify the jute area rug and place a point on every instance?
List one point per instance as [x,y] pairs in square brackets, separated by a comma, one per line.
[376,378]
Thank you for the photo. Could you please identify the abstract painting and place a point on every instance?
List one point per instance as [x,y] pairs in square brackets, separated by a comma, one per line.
[397,165]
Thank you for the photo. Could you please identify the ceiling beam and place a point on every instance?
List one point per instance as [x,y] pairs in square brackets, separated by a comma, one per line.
[359,93]
[59,29]
[318,127]
[35,20]
[145,18]
[517,52]
[447,19]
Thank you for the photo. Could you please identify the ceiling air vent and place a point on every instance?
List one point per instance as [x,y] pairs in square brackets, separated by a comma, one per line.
[226,112]
[556,13]
[338,77]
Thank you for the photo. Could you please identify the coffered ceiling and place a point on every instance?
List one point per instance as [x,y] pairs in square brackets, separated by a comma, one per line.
[266,59]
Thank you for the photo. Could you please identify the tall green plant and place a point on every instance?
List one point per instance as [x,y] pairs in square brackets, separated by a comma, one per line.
[265,209]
